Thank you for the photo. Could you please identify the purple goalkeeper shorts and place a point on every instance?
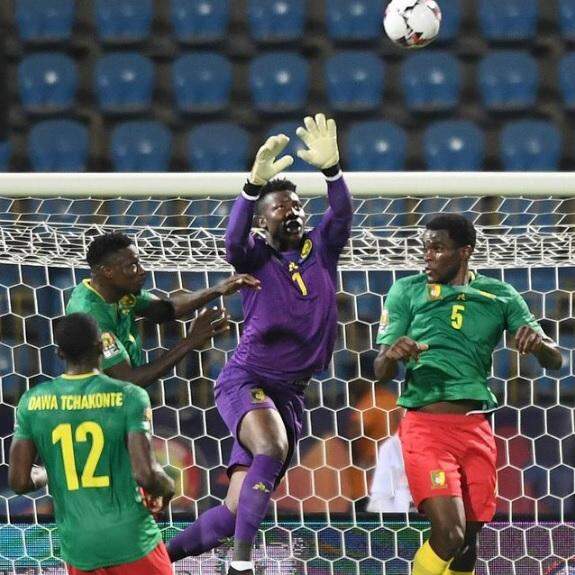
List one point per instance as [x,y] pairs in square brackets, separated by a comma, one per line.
[239,391]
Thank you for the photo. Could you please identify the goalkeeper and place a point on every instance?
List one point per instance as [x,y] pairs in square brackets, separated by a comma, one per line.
[114,297]
[444,324]
[289,333]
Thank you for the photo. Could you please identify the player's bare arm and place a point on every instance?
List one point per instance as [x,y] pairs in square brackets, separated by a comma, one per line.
[182,304]
[527,341]
[208,323]
[404,349]
[23,476]
[148,473]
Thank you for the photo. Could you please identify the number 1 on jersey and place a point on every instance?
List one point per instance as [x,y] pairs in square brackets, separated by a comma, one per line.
[63,433]
[457,316]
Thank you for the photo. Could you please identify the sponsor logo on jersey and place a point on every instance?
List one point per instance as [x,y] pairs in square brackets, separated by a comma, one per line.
[437,478]
[147,418]
[383,322]
[109,346]
[260,487]
[306,249]
[434,291]
[258,395]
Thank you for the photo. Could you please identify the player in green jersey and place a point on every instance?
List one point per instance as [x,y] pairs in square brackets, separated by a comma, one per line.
[444,325]
[93,435]
[114,297]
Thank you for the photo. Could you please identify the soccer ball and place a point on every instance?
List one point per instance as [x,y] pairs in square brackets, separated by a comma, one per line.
[412,23]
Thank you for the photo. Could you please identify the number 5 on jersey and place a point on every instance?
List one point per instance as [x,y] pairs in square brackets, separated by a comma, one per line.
[457,316]
[63,434]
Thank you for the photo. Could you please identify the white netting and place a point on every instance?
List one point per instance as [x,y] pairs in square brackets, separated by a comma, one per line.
[318,524]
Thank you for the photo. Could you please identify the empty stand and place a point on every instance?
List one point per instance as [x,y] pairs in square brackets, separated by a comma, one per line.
[123,21]
[508,21]
[199,21]
[355,20]
[44,20]
[566,19]
[450,21]
[567,80]
[295,144]
[276,20]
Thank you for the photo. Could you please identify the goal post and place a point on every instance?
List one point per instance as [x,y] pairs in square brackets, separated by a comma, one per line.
[318,523]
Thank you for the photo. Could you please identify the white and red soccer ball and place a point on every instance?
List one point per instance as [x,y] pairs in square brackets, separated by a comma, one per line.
[412,23]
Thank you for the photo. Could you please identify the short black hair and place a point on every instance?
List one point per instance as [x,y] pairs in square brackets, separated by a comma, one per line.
[77,335]
[460,229]
[105,245]
[277,185]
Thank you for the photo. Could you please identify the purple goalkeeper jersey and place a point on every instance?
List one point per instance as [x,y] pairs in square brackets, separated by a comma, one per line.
[291,323]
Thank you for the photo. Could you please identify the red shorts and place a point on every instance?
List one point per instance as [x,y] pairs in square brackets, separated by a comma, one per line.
[453,455]
[157,562]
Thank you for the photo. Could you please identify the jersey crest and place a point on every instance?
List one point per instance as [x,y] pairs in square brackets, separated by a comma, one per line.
[437,479]
[434,291]
[109,346]
[306,249]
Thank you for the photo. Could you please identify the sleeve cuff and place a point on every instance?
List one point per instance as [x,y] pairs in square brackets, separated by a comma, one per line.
[332,173]
[251,191]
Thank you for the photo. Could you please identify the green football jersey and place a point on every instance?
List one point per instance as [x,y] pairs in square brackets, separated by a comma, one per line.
[79,425]
[117,321]
[461,325]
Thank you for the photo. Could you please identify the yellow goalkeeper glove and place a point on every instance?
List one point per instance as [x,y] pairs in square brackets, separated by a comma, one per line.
[320,136]
[265,165]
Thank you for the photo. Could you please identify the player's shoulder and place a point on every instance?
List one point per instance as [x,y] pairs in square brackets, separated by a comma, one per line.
[112,384]
[493,286]
[45,388]
[83,297]
[410,283]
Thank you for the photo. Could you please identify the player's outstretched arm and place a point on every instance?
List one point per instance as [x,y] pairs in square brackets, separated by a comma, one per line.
[404,349]
[206,325]
[148,473]
[266,166]
[23,475]
[181,305]
[528,340]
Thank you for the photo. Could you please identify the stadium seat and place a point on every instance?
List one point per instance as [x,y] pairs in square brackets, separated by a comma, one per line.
[276,20]
[218,147]
[123,21]
[202,82]
[200,20]
[279,82]
[58,146]
[5,154]
[566,19]
[124,82]
[508,21]
[354,19]
[455,145]
[450,20]
[295,144]
[354,81]
[47,82]
[567,80]
[531,146]
[508,80]
[141,146]
[431,81]
[44,20]
[375,145]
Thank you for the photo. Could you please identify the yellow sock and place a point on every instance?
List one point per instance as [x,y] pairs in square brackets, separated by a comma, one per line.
[427,562]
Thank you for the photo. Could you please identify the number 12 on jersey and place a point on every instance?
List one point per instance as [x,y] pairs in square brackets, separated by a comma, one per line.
[63,434]
[457,316]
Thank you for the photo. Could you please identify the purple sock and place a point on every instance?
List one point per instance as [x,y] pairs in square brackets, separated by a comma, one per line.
[205,533]
[254,499]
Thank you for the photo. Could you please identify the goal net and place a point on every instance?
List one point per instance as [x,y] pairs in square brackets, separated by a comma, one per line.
[319,523]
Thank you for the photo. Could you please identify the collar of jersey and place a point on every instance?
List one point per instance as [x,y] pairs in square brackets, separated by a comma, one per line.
[87,283]
[80,375]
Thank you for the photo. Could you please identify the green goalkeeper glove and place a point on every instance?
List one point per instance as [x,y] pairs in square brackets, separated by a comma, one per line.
[265,165]
[320,136]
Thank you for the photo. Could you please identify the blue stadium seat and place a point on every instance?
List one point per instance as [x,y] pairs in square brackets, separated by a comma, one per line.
[44,20]
[202,82]
[531,146]
[508,80]
[47,82]
[200,20]
[124,82]
[375,145]
[566,19]
[431,81]
[567,80]
[454,145]
[354,20]
[5,154]
[58,146]
[279,82]
[511,20]
[141,146]
[295,144]
[450,20]
[276,20]
[123,21]
[218,147]
[354,81]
